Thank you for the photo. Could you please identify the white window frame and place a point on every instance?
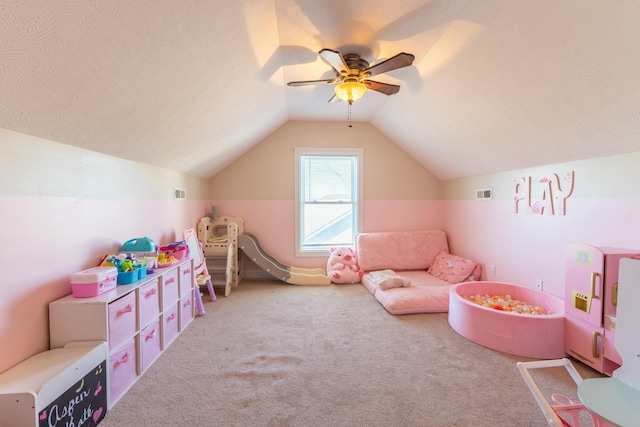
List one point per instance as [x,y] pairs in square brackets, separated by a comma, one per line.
[299,152]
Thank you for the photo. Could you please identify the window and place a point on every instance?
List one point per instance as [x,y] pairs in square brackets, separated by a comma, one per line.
[328,199]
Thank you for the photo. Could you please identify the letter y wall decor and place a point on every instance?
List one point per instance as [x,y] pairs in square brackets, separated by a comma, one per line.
[553,192]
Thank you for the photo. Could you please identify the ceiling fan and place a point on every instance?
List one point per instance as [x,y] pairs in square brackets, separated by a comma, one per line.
[353,72]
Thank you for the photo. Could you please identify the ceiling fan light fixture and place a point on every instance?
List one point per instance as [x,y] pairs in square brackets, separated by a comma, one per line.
[350,91]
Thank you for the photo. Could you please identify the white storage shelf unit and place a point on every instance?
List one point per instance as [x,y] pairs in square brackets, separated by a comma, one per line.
[138,322]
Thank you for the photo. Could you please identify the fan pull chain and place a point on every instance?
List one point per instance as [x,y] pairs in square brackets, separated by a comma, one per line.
[350,115]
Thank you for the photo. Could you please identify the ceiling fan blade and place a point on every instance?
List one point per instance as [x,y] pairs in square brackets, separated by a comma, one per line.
[386,88]
[399,61]
[334,98]
[334,59]
[312,82]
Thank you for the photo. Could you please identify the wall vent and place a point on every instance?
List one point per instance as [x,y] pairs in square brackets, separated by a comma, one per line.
[484,194]
[179,193]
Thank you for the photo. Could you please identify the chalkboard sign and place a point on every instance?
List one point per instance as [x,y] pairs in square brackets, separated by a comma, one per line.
[83,405]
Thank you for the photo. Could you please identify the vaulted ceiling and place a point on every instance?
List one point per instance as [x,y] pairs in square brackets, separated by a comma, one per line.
[190,85]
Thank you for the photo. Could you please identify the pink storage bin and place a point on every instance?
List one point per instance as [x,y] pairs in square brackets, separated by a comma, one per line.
[149,301]
[171,326]
[170,290]
[122,370]
[150,346]
[93,281]
[122,319]
[186,311]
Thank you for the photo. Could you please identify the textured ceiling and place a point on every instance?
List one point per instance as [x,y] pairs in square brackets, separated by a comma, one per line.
[190,85]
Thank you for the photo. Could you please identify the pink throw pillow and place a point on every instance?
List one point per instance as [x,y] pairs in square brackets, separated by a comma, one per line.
[475,274]
[452,268]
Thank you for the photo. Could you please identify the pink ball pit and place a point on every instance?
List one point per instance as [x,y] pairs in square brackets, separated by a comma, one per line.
[534,336]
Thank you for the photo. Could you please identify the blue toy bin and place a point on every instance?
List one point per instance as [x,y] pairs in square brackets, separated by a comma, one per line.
[127,277]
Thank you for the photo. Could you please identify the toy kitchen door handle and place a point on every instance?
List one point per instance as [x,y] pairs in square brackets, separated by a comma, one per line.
[594,276]
[594,344]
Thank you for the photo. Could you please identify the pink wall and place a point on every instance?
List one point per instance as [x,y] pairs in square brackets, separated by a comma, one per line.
[45,240]
[61,210]
[272,222]
[528,247]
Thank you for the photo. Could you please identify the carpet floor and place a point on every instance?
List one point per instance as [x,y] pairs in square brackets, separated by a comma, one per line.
[273,354]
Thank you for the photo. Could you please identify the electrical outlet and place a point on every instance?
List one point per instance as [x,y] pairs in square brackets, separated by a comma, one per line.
[492,270]
[539,284]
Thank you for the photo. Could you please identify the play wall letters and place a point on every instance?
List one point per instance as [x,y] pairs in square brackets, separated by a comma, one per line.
[553,193]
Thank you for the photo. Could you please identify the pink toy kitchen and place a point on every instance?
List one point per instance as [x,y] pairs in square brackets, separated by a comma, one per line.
[591,299]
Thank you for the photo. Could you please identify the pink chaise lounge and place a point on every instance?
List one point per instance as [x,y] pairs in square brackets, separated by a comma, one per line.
[411,271]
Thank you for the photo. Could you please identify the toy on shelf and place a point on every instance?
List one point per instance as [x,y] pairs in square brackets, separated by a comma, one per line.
[93,281]
[178,250]
[141,251]
[166,260]
[128,267]
[140,245]
[151,262]
[129,271]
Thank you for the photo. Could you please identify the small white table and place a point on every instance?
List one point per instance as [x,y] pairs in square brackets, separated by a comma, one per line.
[611,399]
